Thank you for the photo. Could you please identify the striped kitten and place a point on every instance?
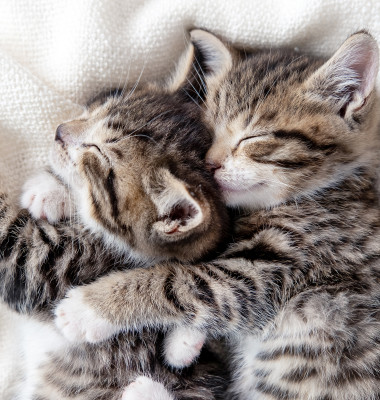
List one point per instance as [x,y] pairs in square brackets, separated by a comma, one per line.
[134,166]
[295,149]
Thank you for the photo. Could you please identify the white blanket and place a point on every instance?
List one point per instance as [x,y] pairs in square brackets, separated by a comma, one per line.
[55,54]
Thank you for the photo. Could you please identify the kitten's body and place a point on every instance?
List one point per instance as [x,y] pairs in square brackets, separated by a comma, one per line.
[128,148]
[296,144]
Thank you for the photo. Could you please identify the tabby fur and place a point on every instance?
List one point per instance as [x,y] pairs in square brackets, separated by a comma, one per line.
[142,158]
[298,293]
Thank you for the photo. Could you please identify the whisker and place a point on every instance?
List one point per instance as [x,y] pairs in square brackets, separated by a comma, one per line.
[195,90]
[203,83]
[191,98]
[126,81]
[136,84]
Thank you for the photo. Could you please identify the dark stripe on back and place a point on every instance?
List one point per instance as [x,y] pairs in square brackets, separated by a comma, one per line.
[263,252]
[44,237]
[304,351]
[16,291]
[275,391]
[356,373]
[71,275]
[11,237]
[247,231]
[300,374]
[49,267]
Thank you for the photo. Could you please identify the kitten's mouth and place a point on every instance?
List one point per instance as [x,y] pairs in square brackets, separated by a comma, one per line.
[226,188]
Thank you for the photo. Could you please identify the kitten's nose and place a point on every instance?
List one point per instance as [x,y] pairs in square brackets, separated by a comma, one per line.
[60,134]
[63,134]
[212,165]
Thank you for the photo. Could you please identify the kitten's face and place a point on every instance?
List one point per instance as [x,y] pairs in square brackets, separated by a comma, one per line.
[284,128]
[136,168]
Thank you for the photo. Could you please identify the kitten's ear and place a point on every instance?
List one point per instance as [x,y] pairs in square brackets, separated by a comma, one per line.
[349,76]
[178,212]
[207,57]
[214,55]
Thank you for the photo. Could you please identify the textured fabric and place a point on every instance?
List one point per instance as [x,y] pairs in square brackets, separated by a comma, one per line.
[54,55]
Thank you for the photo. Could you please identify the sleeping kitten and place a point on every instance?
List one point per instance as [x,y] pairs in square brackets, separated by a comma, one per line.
[296,149]
[134,167]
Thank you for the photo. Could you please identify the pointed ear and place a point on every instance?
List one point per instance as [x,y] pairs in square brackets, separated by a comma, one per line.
[178,212]
[207,57]
[349,76]
[214,55]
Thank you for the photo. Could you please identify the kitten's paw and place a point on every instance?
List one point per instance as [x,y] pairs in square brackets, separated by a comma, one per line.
[144,388]
[46,198]
[182,346]
[78,322]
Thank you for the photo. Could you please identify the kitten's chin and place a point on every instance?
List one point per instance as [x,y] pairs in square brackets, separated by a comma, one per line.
[256,197]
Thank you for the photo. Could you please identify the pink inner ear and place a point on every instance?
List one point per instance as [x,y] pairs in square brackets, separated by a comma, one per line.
[180,214]
[363,59]
[174,230]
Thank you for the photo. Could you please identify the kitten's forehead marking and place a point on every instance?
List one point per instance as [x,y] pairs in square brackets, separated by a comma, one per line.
[230,133]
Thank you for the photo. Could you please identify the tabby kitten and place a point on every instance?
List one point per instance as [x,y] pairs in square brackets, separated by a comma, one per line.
[298,293]
[134,165]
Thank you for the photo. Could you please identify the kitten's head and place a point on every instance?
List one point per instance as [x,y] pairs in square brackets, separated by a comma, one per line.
[135,164]
[286,124]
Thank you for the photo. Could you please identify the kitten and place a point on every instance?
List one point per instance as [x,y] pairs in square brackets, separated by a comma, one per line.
[295,148]
[134,166]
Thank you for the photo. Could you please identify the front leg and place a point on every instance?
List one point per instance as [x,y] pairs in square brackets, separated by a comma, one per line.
[222,297]
[81,323]
[84,314]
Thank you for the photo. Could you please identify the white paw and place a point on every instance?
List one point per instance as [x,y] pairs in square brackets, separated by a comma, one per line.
[46,198]
[78,322]
[182,346]
[144,388]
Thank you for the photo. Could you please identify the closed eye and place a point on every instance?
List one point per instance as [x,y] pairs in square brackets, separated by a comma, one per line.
[251,138]
[88,145]
[97,148]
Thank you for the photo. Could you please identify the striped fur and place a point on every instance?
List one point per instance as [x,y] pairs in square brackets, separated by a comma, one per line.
[134,173]
[295,147]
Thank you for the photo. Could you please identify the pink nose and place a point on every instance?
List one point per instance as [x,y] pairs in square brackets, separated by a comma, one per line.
[60,133]
[212,165]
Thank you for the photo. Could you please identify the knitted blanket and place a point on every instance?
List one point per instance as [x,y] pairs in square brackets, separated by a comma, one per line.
[54,55]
